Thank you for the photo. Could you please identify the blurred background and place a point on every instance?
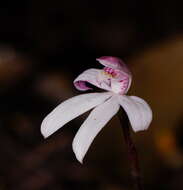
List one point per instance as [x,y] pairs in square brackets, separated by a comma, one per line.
[44,45]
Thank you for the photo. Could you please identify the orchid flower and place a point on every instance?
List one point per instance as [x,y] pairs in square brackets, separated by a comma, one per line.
[116,79]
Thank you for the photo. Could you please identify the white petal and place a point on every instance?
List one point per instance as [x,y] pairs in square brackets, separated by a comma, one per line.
[138,111]
[89,76]
[92,76]
[70,109]
[97,119]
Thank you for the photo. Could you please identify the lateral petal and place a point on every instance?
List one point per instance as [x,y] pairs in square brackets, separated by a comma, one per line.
[138,111]
[97,119]
[92,76]
[71,109]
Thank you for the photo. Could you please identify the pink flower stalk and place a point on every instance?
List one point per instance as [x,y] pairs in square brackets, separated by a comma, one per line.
[115,78]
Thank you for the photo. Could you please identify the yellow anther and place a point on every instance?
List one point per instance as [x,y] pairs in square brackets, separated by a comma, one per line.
[107,74]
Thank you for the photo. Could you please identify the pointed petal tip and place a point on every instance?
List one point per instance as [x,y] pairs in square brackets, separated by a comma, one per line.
[80,160]
[44,129]
[140,129]
[77,153]
[107,58]
[44,135]
[144,128]
[99,59]
[43,132]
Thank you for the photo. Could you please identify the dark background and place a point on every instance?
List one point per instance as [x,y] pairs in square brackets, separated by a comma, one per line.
[44,45]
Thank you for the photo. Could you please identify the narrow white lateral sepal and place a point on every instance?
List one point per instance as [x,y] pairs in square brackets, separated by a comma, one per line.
[97,119]
[71,109]
[138,111]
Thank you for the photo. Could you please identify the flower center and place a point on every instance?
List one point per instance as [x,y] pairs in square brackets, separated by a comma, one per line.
[109,72]
[114,80]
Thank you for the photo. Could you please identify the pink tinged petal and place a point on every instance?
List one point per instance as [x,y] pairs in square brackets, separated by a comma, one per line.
[121,76]
[89,76]
[97,119]
[138,111]
[121,86]
[71,109]
[125,83]
[92,76]
[114,63]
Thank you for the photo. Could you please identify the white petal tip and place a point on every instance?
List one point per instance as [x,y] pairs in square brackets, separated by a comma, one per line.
[140,129]
[44,130]
[45,135]
[79,157]
[77,152]
[81,161]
